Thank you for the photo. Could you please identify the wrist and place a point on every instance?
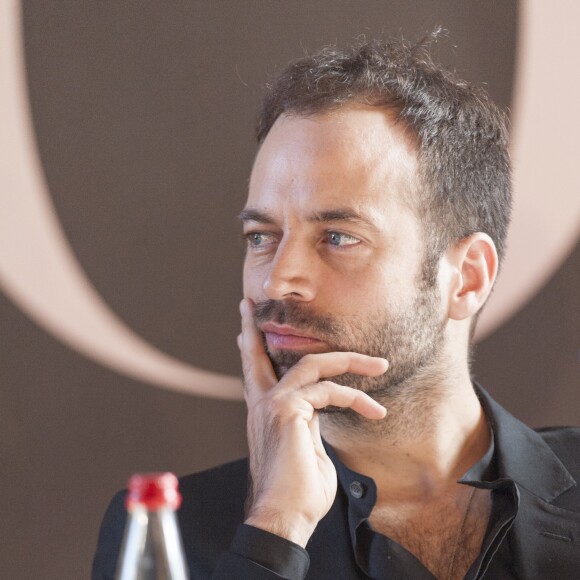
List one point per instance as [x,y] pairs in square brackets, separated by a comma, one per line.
[291,526]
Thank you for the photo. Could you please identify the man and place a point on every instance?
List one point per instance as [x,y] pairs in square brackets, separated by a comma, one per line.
[376,217]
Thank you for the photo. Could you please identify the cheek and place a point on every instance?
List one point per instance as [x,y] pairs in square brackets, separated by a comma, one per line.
[365,289]
[379,288]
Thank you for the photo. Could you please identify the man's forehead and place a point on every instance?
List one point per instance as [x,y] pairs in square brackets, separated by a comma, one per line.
[338,161]
[347,125]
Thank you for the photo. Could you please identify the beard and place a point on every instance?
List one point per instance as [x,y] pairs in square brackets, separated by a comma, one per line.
[410,338]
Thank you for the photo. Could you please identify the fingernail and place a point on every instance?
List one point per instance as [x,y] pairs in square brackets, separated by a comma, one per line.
[243,307]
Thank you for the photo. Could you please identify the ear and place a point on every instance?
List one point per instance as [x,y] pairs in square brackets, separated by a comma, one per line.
[474,265]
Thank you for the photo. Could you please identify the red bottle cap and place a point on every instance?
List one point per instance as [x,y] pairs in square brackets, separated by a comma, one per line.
[153,491]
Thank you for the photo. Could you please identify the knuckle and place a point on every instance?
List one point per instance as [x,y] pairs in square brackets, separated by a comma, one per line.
[327,385]
[283,408]
[306,360]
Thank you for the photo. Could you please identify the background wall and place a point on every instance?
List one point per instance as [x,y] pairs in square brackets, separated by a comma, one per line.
[143,117]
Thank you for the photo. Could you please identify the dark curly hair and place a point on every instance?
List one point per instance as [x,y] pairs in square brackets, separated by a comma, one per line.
[462,140]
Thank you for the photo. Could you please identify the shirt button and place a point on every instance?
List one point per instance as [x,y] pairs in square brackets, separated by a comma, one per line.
[356,489]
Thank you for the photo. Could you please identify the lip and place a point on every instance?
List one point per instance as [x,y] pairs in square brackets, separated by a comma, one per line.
[285,337]
[285,330]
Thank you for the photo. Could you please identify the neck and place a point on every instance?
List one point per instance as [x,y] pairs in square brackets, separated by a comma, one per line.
[435,430]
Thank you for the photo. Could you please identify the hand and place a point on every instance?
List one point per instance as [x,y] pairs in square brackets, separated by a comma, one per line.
[293,479]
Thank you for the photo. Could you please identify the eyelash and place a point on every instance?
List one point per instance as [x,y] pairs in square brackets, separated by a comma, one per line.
[335,233]
[249,238]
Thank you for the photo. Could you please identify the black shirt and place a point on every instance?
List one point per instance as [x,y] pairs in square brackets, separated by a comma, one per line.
[375,555]
[533,531]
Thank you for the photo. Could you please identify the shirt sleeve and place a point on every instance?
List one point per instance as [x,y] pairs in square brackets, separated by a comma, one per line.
[260,555]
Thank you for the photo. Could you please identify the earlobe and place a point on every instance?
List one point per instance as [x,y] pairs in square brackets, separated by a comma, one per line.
[475,260]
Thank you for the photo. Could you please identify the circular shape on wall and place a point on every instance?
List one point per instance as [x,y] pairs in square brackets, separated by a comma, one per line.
[39,272]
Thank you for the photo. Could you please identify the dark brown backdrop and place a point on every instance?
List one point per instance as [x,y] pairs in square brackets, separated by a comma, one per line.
[143,113]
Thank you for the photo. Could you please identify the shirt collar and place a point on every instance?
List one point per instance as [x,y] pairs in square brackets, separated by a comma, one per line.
[515,444]
[485,470]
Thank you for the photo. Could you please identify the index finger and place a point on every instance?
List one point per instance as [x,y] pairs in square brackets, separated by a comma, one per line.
[314,367]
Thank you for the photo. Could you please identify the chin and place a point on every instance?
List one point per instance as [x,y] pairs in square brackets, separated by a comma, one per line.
[283,360]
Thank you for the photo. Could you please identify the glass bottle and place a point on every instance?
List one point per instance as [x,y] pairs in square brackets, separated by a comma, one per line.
[152,548]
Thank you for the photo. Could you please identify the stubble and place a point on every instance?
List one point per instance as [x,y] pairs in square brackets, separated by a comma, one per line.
[410,338]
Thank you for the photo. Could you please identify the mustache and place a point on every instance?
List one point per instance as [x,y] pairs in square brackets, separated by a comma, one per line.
[299,316]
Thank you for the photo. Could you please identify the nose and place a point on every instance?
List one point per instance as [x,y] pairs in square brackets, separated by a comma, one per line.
[292,273]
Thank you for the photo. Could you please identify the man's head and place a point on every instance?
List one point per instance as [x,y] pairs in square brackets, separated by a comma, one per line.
[463,169]
[373,163]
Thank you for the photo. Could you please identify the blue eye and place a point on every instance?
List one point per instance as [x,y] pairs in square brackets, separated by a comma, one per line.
[255,239]
[338,239]
[258,239]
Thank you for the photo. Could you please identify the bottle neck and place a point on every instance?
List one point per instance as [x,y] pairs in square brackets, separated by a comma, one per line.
[152,546]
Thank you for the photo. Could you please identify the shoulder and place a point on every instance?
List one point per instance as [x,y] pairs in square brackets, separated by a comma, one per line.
[224,485]
[210,513]
[220,475]
[559,434]
[565,443]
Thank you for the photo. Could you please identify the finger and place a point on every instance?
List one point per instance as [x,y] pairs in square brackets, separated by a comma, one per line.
[259,375]
[311,368]
[328,393]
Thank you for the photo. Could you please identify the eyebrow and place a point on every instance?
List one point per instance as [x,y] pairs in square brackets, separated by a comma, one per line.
[254,215]
[332,215]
